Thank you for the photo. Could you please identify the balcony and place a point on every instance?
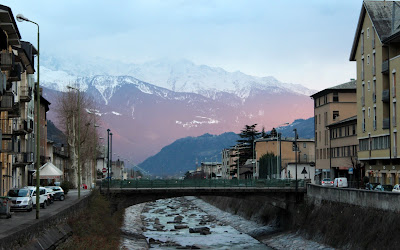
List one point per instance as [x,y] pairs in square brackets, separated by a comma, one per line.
[26,94]
[385,67]
[15,73]
[6,103]
[7,60]
[386,123]
[22,159]
[15,111]
[385,95]
[7,128]
[22,127]
[8,146]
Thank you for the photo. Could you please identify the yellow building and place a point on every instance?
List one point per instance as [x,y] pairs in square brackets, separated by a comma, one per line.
[376,49]
[331,105]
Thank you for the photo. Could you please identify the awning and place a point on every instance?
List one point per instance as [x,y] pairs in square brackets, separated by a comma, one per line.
[49,171]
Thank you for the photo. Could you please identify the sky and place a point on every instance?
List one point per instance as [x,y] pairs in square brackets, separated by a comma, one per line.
[306,42]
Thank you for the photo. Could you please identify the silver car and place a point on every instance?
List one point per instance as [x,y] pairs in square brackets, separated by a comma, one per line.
[21,199]
[327,182]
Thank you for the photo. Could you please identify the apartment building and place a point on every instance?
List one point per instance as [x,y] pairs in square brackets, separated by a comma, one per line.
[285,153]
[229,165]
[331,105]
[376,50]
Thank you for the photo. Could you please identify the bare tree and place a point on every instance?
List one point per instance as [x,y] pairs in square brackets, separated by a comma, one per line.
[68,114]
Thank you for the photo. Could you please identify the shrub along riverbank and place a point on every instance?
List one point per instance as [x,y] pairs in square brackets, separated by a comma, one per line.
[95,227]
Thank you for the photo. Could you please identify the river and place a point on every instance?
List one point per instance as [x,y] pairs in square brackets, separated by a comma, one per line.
[190,223]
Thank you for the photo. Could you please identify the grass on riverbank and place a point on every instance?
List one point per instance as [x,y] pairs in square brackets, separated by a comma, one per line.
[95,227]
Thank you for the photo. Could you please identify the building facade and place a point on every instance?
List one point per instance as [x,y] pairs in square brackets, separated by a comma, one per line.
[376,51]
[331,105]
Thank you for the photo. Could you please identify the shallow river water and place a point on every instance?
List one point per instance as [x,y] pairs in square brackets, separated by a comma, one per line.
[190,223]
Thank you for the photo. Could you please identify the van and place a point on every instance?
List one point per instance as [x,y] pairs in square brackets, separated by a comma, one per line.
[340,182]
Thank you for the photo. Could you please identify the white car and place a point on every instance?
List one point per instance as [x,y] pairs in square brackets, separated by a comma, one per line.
[43,197]
[20,199]
[340,182]
[396,188]
[58,192]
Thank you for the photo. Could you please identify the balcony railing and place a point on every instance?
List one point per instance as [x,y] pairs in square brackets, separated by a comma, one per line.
[24,158]
[385,67]
[385,123]
[6,103]
[26,94]
[7,60]
[385,95]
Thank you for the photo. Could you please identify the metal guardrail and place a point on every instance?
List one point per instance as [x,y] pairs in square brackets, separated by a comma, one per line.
[197,183]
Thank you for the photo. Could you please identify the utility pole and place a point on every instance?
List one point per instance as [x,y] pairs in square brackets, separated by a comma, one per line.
[108,159]
[295,152]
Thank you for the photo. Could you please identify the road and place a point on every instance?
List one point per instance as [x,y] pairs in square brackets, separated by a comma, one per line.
[21,217]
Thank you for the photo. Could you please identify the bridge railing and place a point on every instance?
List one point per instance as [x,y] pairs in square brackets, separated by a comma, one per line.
[199,183]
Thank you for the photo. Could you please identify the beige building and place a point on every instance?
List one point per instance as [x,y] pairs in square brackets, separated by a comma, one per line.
[284,150]
[331,105]
[228,165]
[376,49]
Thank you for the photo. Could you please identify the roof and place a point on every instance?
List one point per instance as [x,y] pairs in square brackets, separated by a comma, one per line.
[8,24]
[344,87]
[347,120]
[49,171]
[381,14]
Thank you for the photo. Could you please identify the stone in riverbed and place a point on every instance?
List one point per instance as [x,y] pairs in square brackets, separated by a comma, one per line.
[181,226]
[201,230]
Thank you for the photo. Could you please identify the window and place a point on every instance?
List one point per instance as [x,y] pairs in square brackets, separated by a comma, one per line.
[381,142]
[326,118]
[335,97]
[354,129]
[304,145]
[373,64]
[374,116]
[362,69]
[325,99]
[363,144]
[363,121]
[335,114]
[367,32]
[369,85]
[362,42]
[394,114]
[319,118]
[316,139]
[315,120]
[305,157]
[340,132]
[369,112]
[367,59]
[374,91]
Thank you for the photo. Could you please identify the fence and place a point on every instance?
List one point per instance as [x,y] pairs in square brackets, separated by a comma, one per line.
[197,183]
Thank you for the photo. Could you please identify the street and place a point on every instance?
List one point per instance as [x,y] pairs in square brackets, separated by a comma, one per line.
[21,217]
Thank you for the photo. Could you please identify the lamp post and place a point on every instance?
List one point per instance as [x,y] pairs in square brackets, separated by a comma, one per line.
[79,142]
[295,152]
[278,144]
[108,159]
[21,18]
[111,134]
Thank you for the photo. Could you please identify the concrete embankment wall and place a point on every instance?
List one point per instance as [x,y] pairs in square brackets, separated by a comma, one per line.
[44,233]
[341,218]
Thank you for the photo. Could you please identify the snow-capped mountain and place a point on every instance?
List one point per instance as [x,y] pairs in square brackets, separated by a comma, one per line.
[178,76]
[193,100]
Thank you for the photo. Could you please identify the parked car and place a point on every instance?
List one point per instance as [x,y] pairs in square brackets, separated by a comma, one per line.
[43,196]
[327,182]
[58,192]
[51,194]
[396,188]
[379,188]
[20,199]
[387,188]
[340,182]
[371,186]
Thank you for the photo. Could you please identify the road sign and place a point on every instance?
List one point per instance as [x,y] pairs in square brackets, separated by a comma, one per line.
[104,170]
[350,170]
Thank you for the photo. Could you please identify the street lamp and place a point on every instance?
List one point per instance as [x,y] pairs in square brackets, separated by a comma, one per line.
[295,152]
[111,134]
[79,143]
[279,160]
[21,18]
[108,159]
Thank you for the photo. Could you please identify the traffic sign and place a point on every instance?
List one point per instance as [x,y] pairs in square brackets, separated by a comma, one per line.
[104,170]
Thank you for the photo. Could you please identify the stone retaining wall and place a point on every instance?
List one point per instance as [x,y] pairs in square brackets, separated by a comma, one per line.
[364,198]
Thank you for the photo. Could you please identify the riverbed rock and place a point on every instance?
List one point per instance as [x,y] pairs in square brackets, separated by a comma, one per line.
[181,226]
[201,230]
[178,219]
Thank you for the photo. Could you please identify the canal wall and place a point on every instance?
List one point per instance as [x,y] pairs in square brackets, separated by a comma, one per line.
[341,218]
[45,233]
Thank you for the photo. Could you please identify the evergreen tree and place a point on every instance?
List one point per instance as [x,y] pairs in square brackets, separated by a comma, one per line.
[267,166]
[248,135]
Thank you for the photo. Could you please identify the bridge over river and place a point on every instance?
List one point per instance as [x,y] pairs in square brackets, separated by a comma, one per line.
[125,193]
